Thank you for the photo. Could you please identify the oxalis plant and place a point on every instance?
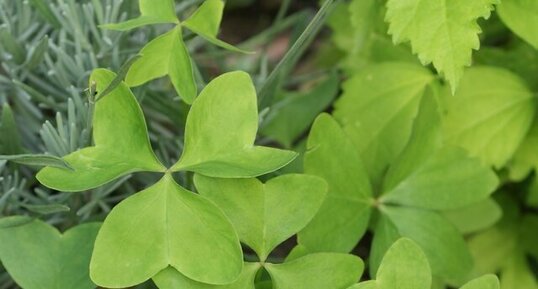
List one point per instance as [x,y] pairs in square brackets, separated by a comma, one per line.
[420,161]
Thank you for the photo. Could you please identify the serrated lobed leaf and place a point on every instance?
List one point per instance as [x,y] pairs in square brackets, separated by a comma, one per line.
[442,32]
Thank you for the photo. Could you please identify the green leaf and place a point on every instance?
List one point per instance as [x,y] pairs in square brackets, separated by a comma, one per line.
[170,278]
[221,129]
[516,273]
[205,22]
[265,215]
[445,248]
[372,284]
[121,143]
[165,55]
[377,110]
[39,160]
[289,118]
[385,234]
[188,232]
[344,215]
[425,173]
[489,115]
[317,271]
[484,282]
[521,16]
[38,256]
[444,32]
[10,143]
[404,266]
[152,12]
[525,159]
[475,217]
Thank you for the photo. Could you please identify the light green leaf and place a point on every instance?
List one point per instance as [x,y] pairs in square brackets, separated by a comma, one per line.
[10,142]
[317,271]
[121,143]
[38,256]
[165,225]
[489,115]
[521,16]
[152,12]
[424,174]
[221,129]
[290,117]
[47,209]
[372,284]
[445,248]
[170,278]
[377,110]
[516,273]
[475,217]
[206,21]
[444,32]
[38,160]
[385,234]
[165,55]
[447,180]
[484,282]
[265,215]
[344,215]
[525,158]
[404,266]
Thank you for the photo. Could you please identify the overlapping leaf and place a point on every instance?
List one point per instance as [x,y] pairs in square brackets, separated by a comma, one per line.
[221,129]
[152,12]
[489,115]
[377,111]
[317,271]
[343,217]
[521,16]
[165,225]
[442,32]
[265,215]
[38,256]
[121,143]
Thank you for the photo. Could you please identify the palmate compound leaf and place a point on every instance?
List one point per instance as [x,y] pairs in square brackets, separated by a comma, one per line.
[317,271]
[344,215]
[442,32]
[423,178]
[221,129]
[265,215]
[521,16]
[121,143]
[489,115]
[152,12]
[38,256]
[377,110]
[165,225]
[165,55]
